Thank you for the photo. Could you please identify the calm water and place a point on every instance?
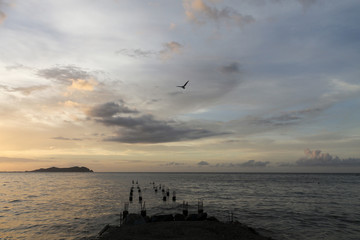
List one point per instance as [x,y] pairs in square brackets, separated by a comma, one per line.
[77,206]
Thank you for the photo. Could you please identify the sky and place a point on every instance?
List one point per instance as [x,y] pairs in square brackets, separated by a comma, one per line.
[274,85]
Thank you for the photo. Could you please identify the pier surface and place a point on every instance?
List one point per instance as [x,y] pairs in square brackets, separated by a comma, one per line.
[182,230]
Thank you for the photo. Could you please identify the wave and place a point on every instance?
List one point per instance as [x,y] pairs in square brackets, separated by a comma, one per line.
[32,196]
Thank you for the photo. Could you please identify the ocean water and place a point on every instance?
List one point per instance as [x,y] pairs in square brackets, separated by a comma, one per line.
[79,205]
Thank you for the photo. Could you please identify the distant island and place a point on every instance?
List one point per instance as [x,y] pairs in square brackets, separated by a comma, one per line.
[70,169]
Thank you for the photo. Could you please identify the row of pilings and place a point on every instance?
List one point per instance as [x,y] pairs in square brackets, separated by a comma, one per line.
[131,196]
[157,188]
[165,196]
[165,192]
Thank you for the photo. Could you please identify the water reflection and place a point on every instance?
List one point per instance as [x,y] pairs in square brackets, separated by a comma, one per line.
[71,205]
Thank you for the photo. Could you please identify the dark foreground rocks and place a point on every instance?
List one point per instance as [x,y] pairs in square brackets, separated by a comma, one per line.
[182,230]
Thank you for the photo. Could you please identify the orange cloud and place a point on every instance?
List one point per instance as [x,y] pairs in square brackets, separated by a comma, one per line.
[2,14]
[172,26]
[2,17]
[170,49]
[83,85]
[197,11]
[70,104]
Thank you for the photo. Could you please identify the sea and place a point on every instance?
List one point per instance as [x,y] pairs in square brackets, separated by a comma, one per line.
[282,206]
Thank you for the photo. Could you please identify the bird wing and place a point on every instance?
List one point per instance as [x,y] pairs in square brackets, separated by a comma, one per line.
[185,83]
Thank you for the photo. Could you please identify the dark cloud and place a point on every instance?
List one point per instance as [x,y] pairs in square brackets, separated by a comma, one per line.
[64,74]
[75,77]
[197,11]
[203,163]
[231,68]
[110,109]
[317,158]
[133,127]
[146,129]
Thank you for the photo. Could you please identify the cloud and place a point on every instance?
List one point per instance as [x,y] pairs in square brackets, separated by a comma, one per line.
[146,129]
[170,49]
[304,3]
[133,127]
[341,89]
[31,89]
[285,118]
[73,76]
[135,53]
[17,66]
[85,85]
[317,158]
[25,90]
[253,163]
[203,163]
[251,124]
[2,17]
[231,68]
[109,109]
[197,11]
[63,74]
[172,26]
[67,139]
[248,164]
[174,164]
[18,160]
[2,14]
[70,104]
[307,3]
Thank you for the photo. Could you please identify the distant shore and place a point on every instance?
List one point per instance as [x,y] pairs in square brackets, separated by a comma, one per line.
[56,169]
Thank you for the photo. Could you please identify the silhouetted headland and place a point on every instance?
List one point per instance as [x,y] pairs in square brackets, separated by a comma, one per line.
[56,169]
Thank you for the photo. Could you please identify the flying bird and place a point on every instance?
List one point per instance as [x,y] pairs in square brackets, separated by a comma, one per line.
[183,86]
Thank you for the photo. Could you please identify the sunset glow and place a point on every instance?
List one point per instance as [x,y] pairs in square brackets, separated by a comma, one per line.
[273,85]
